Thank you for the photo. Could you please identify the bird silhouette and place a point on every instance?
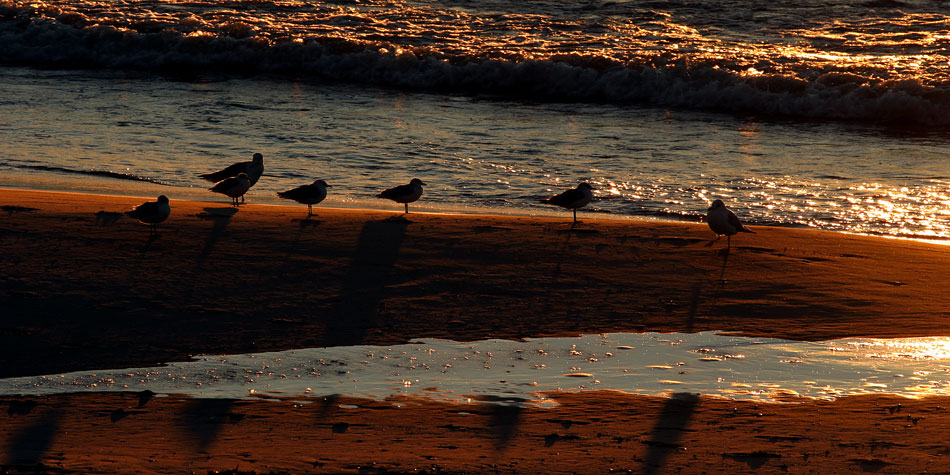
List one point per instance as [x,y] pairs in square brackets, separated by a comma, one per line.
[254,169]
[573,198]
[722,221]
[151,213]
[234,187]
[307,194]
[404,194]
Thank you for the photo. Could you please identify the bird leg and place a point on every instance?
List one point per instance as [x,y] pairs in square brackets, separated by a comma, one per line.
[710,243]
[575,215]
[309,210]
[407,207]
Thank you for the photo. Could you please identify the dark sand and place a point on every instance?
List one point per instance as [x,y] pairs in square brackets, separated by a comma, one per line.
[79,291]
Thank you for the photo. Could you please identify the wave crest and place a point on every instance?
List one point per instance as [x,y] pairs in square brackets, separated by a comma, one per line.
[69,41]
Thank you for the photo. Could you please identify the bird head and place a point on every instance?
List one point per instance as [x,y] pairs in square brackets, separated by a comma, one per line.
[163,199]
[716,204]
[321,183]
[586,185]
[258,158]
[416,181]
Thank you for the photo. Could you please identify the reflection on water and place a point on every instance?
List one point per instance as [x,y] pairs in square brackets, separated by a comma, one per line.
[489,156]
[640,363]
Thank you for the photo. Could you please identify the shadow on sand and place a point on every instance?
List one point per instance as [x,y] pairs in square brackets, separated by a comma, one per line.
[204,418]
[504,421]
[669,430]
[221,217]
[308,222]
[152,237]
[363,285]
[725,259]
[29,445]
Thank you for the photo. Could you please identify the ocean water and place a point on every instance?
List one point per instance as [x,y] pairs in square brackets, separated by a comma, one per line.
[832,114]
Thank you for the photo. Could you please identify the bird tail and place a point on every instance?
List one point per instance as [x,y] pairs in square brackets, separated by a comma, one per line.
[282,194]
[545,200]
[747,230]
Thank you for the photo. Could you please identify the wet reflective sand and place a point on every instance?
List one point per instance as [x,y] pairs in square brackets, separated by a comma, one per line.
[502,370]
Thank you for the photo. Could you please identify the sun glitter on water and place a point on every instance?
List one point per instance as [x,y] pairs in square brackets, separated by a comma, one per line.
[925,348]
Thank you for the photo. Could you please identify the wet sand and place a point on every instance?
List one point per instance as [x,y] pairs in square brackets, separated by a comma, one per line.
[597,432]
[81,289]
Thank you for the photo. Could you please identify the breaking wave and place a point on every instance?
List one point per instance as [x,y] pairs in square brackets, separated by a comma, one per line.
[69,40]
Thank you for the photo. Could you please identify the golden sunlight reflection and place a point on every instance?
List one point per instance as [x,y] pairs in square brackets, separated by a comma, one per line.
[925,348]
[622,35]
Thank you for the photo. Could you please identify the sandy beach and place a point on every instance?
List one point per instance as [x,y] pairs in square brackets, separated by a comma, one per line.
[83,288]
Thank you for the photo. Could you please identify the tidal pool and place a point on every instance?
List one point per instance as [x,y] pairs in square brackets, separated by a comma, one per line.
[521,372]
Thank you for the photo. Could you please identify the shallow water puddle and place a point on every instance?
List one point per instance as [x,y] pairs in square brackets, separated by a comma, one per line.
[520,371]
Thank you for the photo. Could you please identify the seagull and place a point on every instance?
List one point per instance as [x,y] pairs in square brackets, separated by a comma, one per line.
[404,194]
[723,221]
[254,170]
[572,199]
[235,187]
[151,213]
[307,194]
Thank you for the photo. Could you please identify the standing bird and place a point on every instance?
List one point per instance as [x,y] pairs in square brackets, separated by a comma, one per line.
[404,194]
[573,199]
[235,187]
[723,221]
[307,194]
[254,169]
[151,213]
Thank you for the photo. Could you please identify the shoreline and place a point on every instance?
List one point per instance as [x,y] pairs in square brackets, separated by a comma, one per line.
[350,204]
[82,292]
[148,191]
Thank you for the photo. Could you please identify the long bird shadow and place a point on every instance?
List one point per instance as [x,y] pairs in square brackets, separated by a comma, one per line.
[107,218]
[148,243]
[561,252]
[722,274]
[294,247]
[667,432]
[364,282]
[204,419]
[504,421]
[221,218]
[28,446]
[693,308]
